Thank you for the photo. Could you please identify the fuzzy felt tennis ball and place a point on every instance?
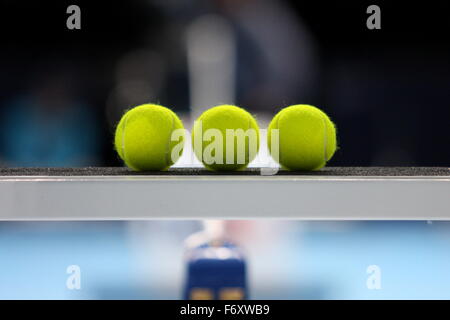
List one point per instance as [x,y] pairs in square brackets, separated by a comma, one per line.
[306,138]
[225,138]
[147,138]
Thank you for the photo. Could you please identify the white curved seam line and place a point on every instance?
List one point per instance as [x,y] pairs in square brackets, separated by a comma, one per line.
[325,138]
[279,138]
[249,148]
[170,139]
[123,138]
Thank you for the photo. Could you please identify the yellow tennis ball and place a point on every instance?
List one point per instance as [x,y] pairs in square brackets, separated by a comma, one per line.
[149,137]
[306,138]
[225,137]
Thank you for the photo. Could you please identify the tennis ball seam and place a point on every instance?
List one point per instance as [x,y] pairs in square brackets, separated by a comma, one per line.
[124,125]
[325,138]
[169,139]
[279,138]
[249,149]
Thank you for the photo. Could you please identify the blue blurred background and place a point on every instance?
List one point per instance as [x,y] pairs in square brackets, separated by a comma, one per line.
[63,91]
[286,260]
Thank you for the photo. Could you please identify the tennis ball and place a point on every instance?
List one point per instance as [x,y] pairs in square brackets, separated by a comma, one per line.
[145,138]
[225,138]
[306,138]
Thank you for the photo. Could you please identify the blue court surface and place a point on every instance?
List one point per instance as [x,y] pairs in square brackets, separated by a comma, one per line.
[302,260]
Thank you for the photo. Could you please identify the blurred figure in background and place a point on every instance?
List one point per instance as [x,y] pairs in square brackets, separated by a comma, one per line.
[48,125]
[277,55]
[273,58]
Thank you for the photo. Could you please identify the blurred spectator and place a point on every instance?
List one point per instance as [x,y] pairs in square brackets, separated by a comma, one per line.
[277,55]
[274,61]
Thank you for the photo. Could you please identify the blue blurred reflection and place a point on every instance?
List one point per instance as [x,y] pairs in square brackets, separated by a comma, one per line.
[301,260]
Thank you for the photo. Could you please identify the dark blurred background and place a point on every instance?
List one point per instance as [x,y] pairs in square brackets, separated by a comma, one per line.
[62,91]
